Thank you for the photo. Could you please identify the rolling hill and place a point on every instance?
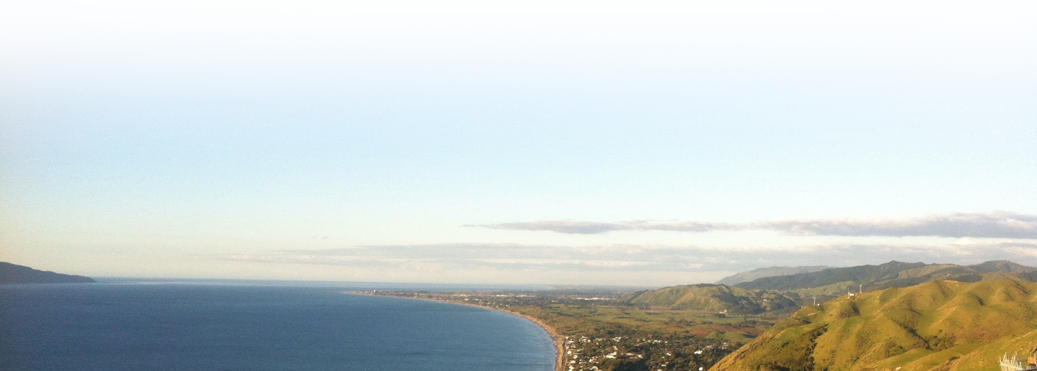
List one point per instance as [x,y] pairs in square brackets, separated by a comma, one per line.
[715,298]
[942,325]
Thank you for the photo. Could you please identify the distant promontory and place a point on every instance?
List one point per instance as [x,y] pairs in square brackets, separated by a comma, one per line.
[13,273]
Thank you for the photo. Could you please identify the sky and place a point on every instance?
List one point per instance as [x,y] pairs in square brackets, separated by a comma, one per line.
[514,142]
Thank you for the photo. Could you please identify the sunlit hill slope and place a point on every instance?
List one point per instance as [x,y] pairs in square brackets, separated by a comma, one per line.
[943,325]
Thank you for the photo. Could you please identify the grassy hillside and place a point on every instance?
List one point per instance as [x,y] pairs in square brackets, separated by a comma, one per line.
[715,298]
[945,325]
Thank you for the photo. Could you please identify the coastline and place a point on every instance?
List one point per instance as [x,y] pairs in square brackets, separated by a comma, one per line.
[558,339]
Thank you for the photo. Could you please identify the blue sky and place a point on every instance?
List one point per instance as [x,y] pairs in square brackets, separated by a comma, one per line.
[409,141]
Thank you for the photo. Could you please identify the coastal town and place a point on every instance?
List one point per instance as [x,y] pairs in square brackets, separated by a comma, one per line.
[595,330]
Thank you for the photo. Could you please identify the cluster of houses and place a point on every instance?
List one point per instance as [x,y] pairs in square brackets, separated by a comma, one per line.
[584,353]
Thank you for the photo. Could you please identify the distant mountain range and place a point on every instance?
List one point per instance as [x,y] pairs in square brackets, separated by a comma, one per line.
[767,272]
[938,325]
[12,273]
[836,281]
[787,293]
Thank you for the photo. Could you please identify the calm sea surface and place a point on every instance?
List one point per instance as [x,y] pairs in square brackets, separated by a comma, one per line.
[172,326]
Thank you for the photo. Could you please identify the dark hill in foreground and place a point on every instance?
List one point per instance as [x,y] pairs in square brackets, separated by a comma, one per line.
[938,325]
[13,273]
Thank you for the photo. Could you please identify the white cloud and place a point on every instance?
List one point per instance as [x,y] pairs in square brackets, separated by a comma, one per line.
[978,225]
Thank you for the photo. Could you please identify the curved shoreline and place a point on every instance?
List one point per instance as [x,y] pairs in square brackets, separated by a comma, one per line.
[558,339]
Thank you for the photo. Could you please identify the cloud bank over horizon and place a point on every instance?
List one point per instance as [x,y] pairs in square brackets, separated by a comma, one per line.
[640,258]
[998,224]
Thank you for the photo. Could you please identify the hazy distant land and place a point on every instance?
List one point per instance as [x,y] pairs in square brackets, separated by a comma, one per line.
[756,274]
[14,274]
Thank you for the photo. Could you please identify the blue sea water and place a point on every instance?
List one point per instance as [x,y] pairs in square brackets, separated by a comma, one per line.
[111,327]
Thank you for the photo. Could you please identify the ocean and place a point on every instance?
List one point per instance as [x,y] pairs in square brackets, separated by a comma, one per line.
[241,326]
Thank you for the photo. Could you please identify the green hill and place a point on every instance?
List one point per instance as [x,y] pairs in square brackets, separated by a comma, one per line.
[715,298]
[945,325]
[836,281]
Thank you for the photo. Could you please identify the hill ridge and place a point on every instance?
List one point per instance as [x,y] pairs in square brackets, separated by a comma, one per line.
[835,281]
[767,272]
